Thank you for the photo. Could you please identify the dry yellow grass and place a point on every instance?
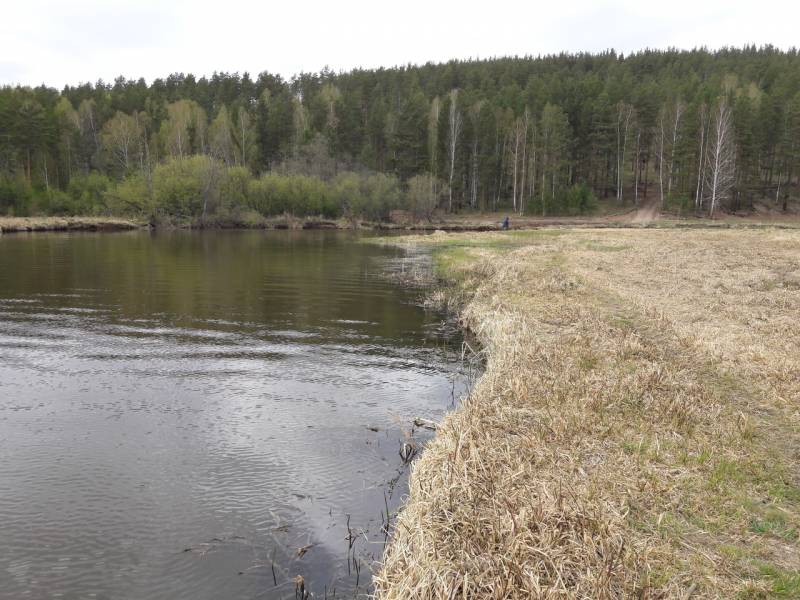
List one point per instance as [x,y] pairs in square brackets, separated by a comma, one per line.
[637,429]
[18,224]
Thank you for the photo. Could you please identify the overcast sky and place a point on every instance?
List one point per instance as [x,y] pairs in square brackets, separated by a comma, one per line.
[85,40]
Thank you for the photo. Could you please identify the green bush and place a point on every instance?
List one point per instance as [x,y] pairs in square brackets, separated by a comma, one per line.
[370,197]
[15,196]
[56,202]
[87,195]
[187,187]
[199,186]
[233,190]
[300,195]
[576,200]
[678,203]
[580,200]
[131,197]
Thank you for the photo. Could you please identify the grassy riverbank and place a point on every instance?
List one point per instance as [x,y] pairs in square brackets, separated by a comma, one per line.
[478,222]
[20,224]
[635,432]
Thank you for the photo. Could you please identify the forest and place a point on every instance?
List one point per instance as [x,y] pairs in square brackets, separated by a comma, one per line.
[698,132]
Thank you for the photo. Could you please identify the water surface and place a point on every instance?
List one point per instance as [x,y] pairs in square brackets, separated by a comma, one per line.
[180,413]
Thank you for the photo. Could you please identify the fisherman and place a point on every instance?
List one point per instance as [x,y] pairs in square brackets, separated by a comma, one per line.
[505,223]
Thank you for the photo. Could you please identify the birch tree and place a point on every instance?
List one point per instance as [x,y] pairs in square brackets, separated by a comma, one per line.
[184,131]
[245,136]
[624,119]
[299,123]
[220,137]
[637,166]
[517,147]
[701,156]
[532,163]
[68,126]
[87,120]
[121,140]
[453,134]
[331,96]
[474,169]
[720,171]
[433,142]
[680,108]
[669,122]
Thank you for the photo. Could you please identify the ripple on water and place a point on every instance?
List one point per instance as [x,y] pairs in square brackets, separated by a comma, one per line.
[179,411]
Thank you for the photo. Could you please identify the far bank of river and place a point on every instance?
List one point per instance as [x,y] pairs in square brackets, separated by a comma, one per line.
[475,222]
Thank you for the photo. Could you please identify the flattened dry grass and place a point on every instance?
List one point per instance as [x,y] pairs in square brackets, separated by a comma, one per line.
[19,224]
[635,433]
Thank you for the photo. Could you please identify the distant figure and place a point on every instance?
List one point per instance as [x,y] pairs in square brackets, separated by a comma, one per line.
[505,222]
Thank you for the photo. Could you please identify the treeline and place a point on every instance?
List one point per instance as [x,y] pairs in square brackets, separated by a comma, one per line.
[690,129]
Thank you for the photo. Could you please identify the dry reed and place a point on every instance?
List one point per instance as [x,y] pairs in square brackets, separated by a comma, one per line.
[21,224]
[635,432]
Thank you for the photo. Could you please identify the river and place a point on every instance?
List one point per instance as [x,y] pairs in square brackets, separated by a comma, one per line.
[207,415]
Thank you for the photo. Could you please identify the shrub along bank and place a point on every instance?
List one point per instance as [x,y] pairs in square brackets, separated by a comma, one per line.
[199,189]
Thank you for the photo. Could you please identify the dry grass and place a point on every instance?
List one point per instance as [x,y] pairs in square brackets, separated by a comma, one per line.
[18,224]
[635,433]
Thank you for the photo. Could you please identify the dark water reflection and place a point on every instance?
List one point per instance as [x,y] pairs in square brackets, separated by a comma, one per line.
[181,412]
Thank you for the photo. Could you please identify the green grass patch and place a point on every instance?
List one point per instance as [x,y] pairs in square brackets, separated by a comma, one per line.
[785,584]
[775,524]
[596,246]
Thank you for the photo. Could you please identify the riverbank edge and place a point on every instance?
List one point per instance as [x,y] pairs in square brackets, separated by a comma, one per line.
[612,560]
[44,224]
[450,225]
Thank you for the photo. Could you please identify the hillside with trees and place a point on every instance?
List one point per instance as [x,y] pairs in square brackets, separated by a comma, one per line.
[693,131]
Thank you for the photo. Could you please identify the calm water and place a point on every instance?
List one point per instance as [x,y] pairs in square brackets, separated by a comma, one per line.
[180,413]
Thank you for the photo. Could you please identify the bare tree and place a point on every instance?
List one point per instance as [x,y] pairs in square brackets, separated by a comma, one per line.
[87,121]
[421,195]
[669,121]
[220,137]
[624,117]
[637,167]
[299,123]
[121,137]
[433,142]
[532,164]
[525,125]
[720,171]
[184,131]
[680,108]
[701,156]
[143,123]
[244,133]
[503,122]
[433,134]
[518,145]
[452,143]
[475,121]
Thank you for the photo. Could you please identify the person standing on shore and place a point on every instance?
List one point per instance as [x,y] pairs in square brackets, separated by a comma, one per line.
[505,223]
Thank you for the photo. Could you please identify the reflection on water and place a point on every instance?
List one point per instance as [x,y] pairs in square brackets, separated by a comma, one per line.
[180,413]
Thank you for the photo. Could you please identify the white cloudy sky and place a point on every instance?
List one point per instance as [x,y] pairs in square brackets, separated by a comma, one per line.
[84,40]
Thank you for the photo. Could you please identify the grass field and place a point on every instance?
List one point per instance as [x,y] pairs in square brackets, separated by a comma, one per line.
[637,429]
